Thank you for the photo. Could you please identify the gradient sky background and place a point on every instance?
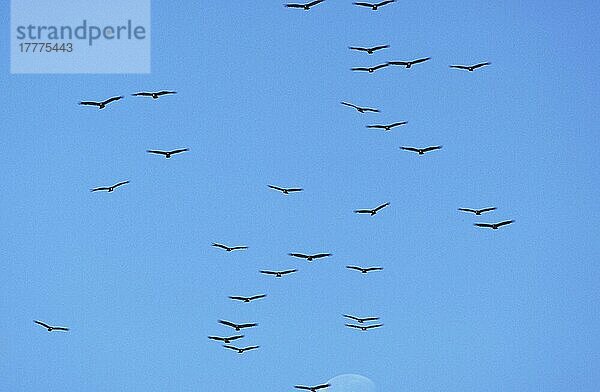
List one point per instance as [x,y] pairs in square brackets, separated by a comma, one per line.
[132,273]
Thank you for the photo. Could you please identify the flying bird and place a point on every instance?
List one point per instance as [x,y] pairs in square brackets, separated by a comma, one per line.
[421,151]
[154,95]
[370,69]
[247,299]
[375,6]
[167,154]
[373,211]
[237,327]
[227,339]
[494,226]
[227,248]
[285,191]
[109,188]
[49,327]
[409,64]
[477,212]
[388,127]
[102,104]
[312,389]
[369,50]
[364,327]
[241,350]
[310,257]
[359,319]
[360,109]
[278,274]
[470,68]
[364,270]
[304,6]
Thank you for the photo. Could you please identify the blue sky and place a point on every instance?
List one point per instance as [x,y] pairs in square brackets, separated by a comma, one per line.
[132,273]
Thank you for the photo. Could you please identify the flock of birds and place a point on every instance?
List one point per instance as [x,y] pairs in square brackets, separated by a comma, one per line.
[360,323]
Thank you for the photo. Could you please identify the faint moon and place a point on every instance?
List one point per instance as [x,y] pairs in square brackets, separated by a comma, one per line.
[351,383]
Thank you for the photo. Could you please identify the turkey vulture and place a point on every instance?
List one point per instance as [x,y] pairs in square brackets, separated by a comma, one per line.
[102,104]
[375,6]
[409,64]
[285,191]
[304,6]
[241,350]
[49,327]
[360,320]
[477,212]
[278,274]
[421,151]
[167,154]
[470,68]
[369,50]
[227,248]
[237,327]
[494,226]
[370,69]
[310,257]
[109,188]
[247,299]
[154,95]
[312,389]
[364,270]
[388,127]
[373,211]
[227,339]
[360,109]
[364,327]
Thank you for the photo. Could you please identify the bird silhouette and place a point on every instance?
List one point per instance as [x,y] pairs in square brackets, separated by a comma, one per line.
[167,154]
[364,270]
[477,212]
[369,50]
[241,350]
[310,257]
[154,95]
[227,339]
[421,151]
[370,69]
[49,327]
[372,212]
[306,6]
[375,6]
[409,64]
[470,68]
[285,191]
[361,320]
[278,274]
[387,127]
[101,104]
[312,389]
[237,327]
[228,248]
[494,226]
[364,327]
[109,188]
[247,299]
[360,109]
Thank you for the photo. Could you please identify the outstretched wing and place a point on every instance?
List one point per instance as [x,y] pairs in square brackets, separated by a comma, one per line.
[420,60]
[353,326]
[101,188]
[373,326]
[231,347]
[239,247]
[481,65]
[300,255]
[396,124]
[410,149]
[89,103]
[321,387]
[362,211]
[364,4]
[268,272]
[120,183]
[321,255]
[142,94]
[468,210]
[489,225]
[42,324]
[165,92]
[487,209]
[358,48]
[381,206]
[109,100]
[250,348]
[376,126]
[247,325]
[353,267]
[398,62]
[375,68]
[367,319]
[315,2]
[504,223]
[379,47]
[385,2]
[179,150]
[259,296]
[217,338]
[276,188]
[156,152]
[431,148]
[217,245]
[359,69]
[351,317]
[236,298]
[294,5]
[459,66]
[228,323]
[288,271]
[374,269]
